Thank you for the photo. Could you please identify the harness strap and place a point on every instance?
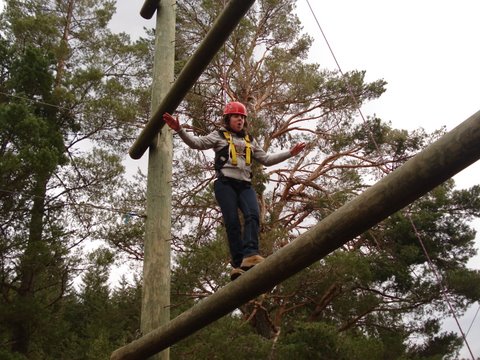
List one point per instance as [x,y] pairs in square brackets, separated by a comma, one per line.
[231,148]
[248,150]
[233,151]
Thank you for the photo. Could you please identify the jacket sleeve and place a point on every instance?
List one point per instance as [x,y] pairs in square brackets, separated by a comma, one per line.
[198,142]
[269,159]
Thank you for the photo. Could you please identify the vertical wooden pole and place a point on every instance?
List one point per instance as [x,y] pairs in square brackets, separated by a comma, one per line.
[156,265]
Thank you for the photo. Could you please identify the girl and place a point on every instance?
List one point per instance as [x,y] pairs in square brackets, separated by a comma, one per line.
[234,151]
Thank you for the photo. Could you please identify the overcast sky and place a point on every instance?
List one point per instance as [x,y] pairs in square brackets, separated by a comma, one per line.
[428,51]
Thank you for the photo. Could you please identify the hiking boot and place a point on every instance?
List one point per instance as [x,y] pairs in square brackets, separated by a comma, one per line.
[235,273]
[251,261]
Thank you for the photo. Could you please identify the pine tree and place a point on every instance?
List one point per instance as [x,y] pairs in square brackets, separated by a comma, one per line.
[72,93]
[368,298]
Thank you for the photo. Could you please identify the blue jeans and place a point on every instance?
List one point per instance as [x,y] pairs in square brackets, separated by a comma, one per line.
[232,195]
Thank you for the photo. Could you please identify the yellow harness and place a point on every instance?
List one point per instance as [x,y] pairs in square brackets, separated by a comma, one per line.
[233,152]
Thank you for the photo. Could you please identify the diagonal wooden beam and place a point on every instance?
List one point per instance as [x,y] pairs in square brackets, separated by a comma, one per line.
[226,22]
[149,7]
[440,161]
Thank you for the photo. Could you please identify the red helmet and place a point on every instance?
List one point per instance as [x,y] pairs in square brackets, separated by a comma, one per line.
[235,107]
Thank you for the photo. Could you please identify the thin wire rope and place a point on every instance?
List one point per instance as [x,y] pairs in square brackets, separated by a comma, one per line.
[82,204]
[336,61]
[349,89]
[35,101]
[224,71]
[473,320]
[432,267]
[440,281]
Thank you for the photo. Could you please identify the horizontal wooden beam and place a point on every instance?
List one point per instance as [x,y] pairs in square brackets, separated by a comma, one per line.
[440,161]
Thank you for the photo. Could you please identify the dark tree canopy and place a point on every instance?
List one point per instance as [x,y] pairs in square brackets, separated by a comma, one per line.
[70,91]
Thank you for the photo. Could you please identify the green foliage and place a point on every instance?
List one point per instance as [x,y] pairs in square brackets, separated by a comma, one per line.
[6,355]
[97,319]
[437,347]
[225,339]
[68,106]
[464,282]
[321,341]
[195,267]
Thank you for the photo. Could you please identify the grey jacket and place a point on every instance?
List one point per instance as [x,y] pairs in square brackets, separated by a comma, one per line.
[241,171]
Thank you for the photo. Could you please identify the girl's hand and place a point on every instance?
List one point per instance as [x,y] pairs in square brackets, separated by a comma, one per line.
[171,121]
[297,148]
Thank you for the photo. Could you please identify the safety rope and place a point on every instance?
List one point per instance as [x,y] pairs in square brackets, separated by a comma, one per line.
[431,265]
[224,71]
[336,61]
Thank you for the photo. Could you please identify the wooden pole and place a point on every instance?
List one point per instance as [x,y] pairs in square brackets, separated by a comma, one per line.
[156,265]
[440,161]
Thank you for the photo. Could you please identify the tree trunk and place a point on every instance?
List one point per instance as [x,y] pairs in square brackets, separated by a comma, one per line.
[259,318]
[31,267]
[64,46]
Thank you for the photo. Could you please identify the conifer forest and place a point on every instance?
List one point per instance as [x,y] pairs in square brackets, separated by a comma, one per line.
[73,97]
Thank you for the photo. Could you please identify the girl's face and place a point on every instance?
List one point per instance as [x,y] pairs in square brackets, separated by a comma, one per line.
[237,122]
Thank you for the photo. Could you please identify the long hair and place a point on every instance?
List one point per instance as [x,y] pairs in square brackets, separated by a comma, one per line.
[226,122]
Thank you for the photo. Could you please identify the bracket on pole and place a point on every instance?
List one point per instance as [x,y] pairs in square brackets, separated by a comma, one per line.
[149,7]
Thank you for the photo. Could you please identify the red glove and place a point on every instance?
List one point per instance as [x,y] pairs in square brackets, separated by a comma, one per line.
[171,121]
[297,148]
